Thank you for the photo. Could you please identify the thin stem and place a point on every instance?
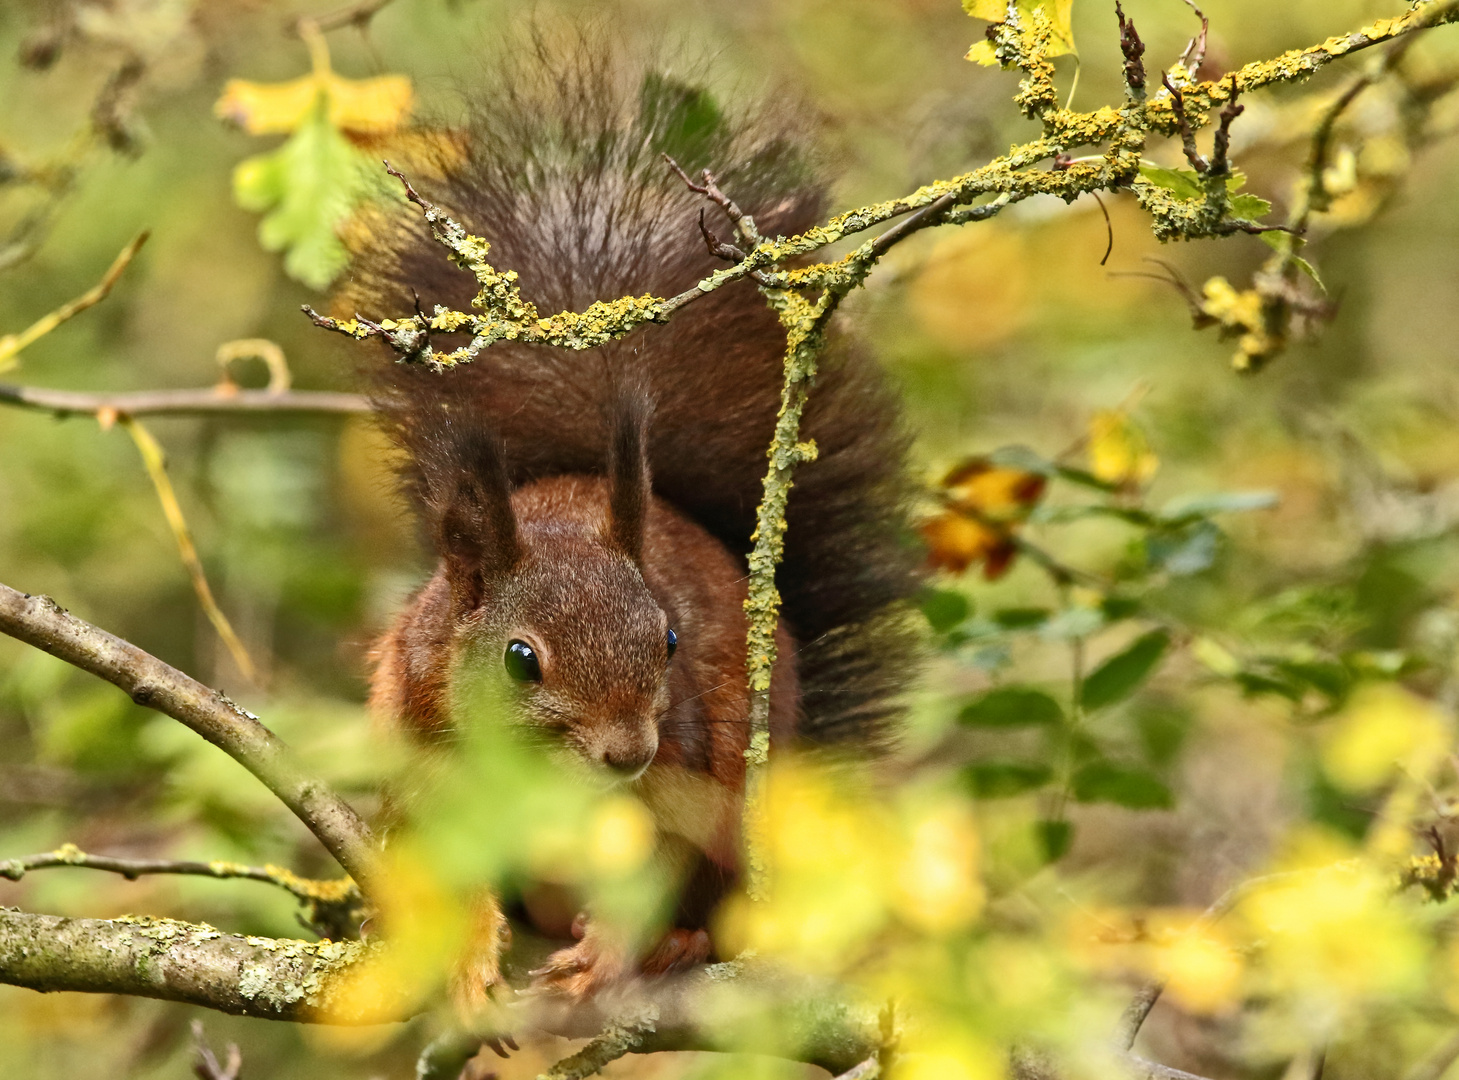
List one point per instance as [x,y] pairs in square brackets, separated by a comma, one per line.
[342,890]
[200,402]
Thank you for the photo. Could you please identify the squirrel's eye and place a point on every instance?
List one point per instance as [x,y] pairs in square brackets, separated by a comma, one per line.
[673,643]
[521,662]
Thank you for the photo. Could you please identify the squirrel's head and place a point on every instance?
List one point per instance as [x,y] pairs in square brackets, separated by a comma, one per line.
[551,612]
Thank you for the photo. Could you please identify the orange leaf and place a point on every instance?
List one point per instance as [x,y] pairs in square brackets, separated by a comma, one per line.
[992,492]
[955,542]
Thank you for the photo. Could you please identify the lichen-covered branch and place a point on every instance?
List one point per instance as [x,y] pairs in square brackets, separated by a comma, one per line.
[40,621]
[190,962]
[329,903]
[617,1039]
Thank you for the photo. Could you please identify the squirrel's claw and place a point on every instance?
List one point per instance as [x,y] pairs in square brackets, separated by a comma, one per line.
[500,1044]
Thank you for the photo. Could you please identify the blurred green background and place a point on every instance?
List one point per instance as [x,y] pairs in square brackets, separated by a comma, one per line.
[1011,333]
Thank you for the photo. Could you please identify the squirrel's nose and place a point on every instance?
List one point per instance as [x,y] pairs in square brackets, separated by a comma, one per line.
[628,764]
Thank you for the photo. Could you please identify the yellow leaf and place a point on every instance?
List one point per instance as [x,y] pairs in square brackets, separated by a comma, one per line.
[1119,453]
[364,106]
[982,53]
[1058,12]
[1383,729]
[375,106]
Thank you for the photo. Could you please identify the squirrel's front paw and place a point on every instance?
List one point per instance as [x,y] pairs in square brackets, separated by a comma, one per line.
[582,970]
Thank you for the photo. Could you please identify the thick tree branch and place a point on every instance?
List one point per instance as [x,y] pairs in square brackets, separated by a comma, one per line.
[192,963]
[40,621]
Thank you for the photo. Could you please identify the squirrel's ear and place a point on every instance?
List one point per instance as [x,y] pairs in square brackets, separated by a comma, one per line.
[476,533]
[628,475]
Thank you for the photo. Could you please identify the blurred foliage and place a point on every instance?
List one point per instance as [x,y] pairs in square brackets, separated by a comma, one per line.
[1214,640]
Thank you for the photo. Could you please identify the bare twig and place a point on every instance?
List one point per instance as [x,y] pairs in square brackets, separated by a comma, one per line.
[206,1066]
[1220,153]
[213,399]
[928,215]
[1141,1069]
[1195,52]
[156,464]
[617,1039]
[1438,1062]
[12,344]
[357,14]
[869,1069]
[1133,51]
[744,224]
[1183,125]
[40,621]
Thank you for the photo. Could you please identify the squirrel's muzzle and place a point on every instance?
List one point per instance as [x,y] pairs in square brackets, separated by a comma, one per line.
[624,754]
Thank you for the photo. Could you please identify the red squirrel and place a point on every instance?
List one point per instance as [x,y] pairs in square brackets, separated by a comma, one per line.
[591,511]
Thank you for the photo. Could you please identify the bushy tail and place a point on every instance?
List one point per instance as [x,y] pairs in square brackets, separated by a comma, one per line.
[561,170]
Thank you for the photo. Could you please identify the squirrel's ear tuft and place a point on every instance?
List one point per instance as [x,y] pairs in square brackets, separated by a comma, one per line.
[476,531]
[628,473]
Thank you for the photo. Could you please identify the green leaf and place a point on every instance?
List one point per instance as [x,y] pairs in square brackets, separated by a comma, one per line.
[680,120]
[1021,618]
[1002,779]
[1012,706]
[1186,550]
[1187,185]
[306,189]
[1073,622]
[1056,837]
[1283,243]
[1116,608]
[944,609]
[1182,183]
[1136,789]
[1119,676]
[1327,677]
[1189,507]
[1162,731]
[1249,207]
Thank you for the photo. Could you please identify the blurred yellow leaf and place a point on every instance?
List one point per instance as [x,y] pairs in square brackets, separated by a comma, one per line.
[621,836]
[1202,971]
[367,106]
[1119,453]
[423,926]
[952,1057]
[1384,728]
[360,106]
[973,291]
[1335,937]
[1058,12]
[939,888]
